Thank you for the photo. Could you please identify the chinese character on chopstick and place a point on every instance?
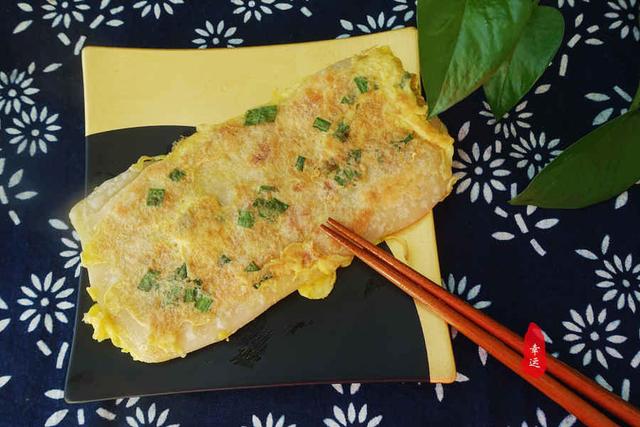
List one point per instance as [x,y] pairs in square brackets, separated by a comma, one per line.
[534,361]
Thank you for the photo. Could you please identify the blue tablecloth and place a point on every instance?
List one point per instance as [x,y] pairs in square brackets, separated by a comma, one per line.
[575,273]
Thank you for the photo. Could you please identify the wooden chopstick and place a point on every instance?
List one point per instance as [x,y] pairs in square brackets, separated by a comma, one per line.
[571,377]
[445,305]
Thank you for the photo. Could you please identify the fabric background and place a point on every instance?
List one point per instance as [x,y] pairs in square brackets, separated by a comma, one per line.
[575,273]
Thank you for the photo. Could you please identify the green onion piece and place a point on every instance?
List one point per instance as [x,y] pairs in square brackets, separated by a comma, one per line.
[405,78]
[149,280]
[177,174]
[246,219]
[155,196]
[203,303]
[348,99]
[266,114]
[172,295]
[252,267]
[408,138]
[197,282]
[321,124]
[362,83]
[345,176]
[269,208]
[181,272]
[403,141]
[190,295]
[262,280]
[342,132]
[223,260]
[300,163]
[267,188]
[340,180]
[354,155]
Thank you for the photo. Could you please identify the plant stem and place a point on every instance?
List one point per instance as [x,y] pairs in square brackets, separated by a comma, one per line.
[635,104]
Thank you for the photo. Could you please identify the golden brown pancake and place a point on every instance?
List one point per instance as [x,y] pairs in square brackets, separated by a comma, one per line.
[184,249]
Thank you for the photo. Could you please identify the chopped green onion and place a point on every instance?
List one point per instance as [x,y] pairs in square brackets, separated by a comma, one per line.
[203,303]
[403,141]
[348,99]
[354,155]
[262,280]
[405,78]
[269,208]
[300,163]
[321,124]
[177,174]
[181,272]
[252,267]
[190,295]
[155,196]
[266,114]
[362,83]
[267,188]
[342,132]
[149,280]
[172,295]
[246,219]
[197,282]
[223,260]
[345,176]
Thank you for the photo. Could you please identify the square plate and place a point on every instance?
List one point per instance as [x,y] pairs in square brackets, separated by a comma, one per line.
[137,102]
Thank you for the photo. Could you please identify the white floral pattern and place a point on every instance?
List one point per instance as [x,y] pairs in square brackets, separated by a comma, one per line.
[371,24]
[88,16]
[16,89]
[9,190]
[608,112]
[149,418]
[541,420]
[625,387]
[60,356]
[472,296]
[407,7]
[352,417]
[582,33]
[156,6]
[60,415]
[343,389]
[618,275]
[623,199]
[570,3]
[256,9]
[33,131]
[71,243]
[270,421]
[439,387]
[624,17]
[216,36]
[591,334]
[45,300]
[4,379]
[480,172]
[520,217]
[535,153]
[4,321]
[509,124]
[64,11]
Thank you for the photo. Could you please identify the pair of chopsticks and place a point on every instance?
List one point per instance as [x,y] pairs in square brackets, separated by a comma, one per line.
[560,382]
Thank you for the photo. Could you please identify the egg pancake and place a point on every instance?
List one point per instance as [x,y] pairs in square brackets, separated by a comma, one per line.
[183,250]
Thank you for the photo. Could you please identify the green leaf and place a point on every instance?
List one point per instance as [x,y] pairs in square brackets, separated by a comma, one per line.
[635,104]
[463,42]
[599,166]
[539,43]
